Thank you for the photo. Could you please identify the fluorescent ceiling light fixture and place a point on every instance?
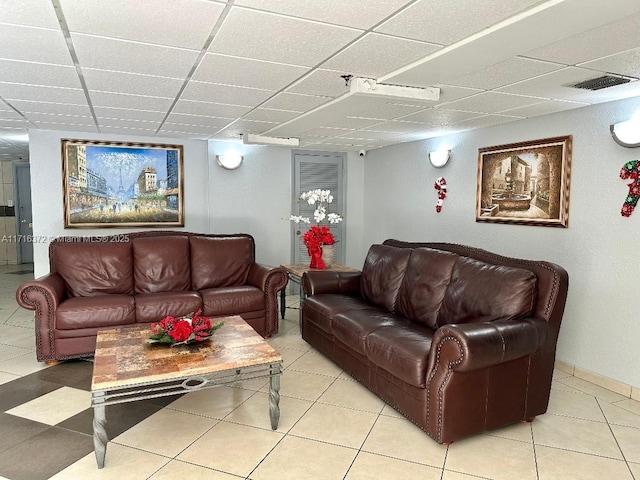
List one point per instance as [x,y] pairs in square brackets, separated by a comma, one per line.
[370,87]
[230,160]
[253,139]
[439,158]
[627,133]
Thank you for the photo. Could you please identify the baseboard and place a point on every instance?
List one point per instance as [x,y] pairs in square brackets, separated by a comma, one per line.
[604,382]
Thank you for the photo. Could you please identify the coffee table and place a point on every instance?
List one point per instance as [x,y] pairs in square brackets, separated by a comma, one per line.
[127,368]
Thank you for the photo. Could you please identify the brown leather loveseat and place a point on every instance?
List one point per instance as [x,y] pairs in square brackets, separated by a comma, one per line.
[110,281]
[457,339]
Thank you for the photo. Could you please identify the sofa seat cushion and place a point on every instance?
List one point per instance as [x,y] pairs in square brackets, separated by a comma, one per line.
[320,309]
[99,311]
[232,300]
[483,292]
[153,307]
[401,348]
[353,327]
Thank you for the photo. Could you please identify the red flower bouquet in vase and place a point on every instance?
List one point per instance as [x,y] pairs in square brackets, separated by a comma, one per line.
[318,239]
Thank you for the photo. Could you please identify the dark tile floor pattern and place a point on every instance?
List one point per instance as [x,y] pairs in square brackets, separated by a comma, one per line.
[31,450]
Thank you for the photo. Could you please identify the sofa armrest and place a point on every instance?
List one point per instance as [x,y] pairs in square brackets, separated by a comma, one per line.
[270,280]
[472,346]
[43,295]
[344,283]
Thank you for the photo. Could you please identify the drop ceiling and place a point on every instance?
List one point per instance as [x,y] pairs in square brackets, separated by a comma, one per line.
[199,69]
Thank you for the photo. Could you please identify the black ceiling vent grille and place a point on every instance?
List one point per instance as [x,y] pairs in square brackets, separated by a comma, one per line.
[599,83]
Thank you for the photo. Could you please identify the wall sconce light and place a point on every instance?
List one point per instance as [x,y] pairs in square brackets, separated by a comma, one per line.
[439,158]
[230,160]
[626,133]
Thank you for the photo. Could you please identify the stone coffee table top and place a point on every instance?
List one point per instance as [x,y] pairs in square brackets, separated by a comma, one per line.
[124,358]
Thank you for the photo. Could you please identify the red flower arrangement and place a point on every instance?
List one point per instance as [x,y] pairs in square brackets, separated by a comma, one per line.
[314,238]
[182,330]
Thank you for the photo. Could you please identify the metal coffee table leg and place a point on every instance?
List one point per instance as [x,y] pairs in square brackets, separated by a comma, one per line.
[100,438]
[274,395]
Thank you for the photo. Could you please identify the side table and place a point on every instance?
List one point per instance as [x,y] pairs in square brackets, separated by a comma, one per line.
[295,273]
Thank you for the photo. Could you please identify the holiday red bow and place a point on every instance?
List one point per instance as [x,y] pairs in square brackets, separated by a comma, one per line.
[314,238]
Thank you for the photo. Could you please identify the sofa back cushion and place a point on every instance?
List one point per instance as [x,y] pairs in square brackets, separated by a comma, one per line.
[481,292]
[424,285]
[161,264]
[382,274]
[92,268]
[220,261]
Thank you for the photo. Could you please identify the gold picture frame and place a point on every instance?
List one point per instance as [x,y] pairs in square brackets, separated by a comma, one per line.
[121,184]
[525,183]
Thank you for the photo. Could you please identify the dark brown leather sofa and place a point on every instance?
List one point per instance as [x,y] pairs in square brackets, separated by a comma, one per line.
[110,281]
[457,339]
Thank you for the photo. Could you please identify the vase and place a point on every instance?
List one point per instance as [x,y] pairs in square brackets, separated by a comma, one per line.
[327,255]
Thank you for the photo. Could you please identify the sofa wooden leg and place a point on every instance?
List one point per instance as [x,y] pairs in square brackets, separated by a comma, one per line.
[51,363]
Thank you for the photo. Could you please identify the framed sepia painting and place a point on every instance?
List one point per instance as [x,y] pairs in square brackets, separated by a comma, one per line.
[114,184]
[525,183]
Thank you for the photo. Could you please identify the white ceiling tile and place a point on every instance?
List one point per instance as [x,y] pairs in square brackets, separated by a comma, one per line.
[36,13]
[207,109]
[246,72]
[127,123]
[131,83]
[487,121]
[295,102]
[375,55]
[624,63]
[129,131]
[352,14]
[196,120]
[14,71]
[451,93]
[448,22]
[492,102]
[551,84]
[321,82]
[326,132]
[396,127]
[271,115]
[198,129]
[37,118]
[437,117]
[389,110]
[39,93]
[124,56]
[544,108]
[354,123]
[128,114]
[277,38]
[504,73]
[68,127]
[595,43]
[212,92]
[184,134]
[347,142]
[11,115]
[48,107]
[186,24]
[376,136]
[136,102]
[13,124]
[33,45]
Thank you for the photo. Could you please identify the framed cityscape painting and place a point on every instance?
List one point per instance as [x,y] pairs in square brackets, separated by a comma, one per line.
[525,183]
[117,184]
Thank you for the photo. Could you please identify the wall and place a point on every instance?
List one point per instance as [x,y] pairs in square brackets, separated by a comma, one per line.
[252,199]
[601,325]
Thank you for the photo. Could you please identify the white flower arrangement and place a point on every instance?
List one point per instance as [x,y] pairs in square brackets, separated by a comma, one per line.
[319,198]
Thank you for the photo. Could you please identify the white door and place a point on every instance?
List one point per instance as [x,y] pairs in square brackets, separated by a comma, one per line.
[325,171]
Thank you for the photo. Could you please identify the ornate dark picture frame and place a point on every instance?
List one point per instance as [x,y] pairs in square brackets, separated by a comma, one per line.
[525,183]
[119,184]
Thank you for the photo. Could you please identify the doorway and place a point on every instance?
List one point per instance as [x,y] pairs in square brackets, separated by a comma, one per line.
[24,226]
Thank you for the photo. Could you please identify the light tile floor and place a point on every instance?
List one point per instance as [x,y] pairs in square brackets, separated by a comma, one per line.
[330,427]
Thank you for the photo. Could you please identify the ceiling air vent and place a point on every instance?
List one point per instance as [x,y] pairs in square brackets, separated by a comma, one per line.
[599,83]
